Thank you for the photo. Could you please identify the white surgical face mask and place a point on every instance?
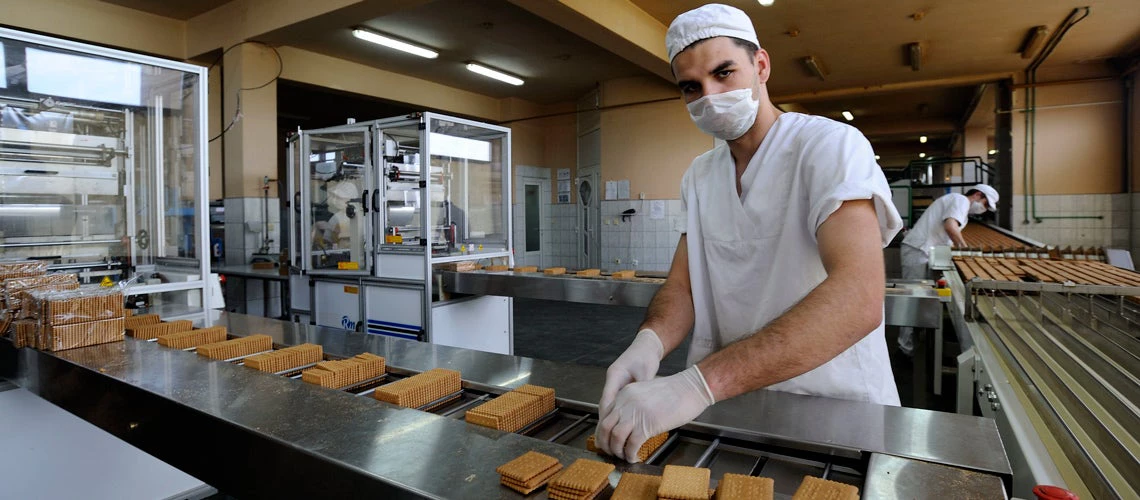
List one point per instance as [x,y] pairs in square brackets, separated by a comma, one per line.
[726,116]
[977,208]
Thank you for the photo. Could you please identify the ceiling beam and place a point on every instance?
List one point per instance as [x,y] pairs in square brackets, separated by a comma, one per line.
[905,127]
[618,26]
[886,88]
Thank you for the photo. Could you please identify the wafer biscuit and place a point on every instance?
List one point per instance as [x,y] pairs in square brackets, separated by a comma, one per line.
[78,306]
[637,487]
[419,390]
[651,445]
[526,269]
[814,488]
[554,271]
[514,410]
[61,337]
[535,483]
[131,322]
[147,332]
[583,479]
[193,338]
[742,487]
[495,268]
[589,272]
[343,373]
[624,275]
[234,348]
[24,332]
[528,471]
[680,482]
[285,359]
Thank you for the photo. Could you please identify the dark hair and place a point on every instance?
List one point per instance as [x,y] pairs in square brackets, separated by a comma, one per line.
[972,191]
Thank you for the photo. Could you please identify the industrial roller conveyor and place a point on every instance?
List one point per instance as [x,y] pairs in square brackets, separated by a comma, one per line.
[1058,366]
[254,434]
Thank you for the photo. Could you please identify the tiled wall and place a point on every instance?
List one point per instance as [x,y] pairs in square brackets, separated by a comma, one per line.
[241,243]
[560,237]
[1111,230]
[649,242]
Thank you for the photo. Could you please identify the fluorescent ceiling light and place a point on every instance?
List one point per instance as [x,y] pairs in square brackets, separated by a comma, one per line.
[922,139]
[3,69]
[28,210]
[914,56]
[876,157]
[848,116]
[1033,40]
[767,3]
[922,155]
[392,43]
[815,67]
[490,73]
[993,152]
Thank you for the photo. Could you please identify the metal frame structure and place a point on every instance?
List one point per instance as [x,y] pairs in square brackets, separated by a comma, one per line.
[201,193]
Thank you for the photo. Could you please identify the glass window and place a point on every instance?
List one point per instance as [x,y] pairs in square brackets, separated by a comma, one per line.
[470,163]
[533,218]
[100,163]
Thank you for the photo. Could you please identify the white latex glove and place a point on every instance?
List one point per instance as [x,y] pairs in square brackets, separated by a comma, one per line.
[646,409]
[639,363]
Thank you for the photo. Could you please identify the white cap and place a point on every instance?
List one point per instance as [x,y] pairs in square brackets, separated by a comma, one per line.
[708,21]
[991,195]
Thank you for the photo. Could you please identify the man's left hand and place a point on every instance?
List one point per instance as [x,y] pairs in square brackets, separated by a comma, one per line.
[645,409]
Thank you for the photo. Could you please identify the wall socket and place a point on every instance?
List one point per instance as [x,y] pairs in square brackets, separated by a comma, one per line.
[634,262]
[617,261]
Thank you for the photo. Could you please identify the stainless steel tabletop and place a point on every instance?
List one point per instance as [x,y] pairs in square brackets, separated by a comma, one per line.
[50,453]
[897,478]
[905,304]
[826,424]
[247,271]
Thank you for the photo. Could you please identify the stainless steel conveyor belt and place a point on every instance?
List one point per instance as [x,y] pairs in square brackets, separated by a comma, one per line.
[256,434]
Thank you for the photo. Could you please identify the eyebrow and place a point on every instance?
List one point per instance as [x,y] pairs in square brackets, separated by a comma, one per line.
[720,67]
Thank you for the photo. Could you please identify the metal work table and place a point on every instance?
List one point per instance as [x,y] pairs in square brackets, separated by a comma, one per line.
[50,453]
[332,443]
[266,276]
[910,303]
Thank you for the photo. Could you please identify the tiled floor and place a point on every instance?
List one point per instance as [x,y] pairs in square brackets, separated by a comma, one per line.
[596,335]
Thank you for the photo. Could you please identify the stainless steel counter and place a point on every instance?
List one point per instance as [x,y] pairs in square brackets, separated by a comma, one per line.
[362,446]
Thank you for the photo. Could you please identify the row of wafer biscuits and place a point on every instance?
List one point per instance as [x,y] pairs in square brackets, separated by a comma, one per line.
[68,307]
[288,358]
[156,330]
[514,410]
[193,338]
[419,390]
[236,348]
[692,483]
[342,373]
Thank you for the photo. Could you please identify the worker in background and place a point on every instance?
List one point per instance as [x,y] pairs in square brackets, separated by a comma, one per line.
[779,271]
[940,225]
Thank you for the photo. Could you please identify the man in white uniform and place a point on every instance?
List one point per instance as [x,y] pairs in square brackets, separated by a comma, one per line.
[940,225]
[779,273]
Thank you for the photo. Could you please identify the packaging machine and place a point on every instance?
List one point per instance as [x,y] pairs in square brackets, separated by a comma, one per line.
[254,434]
[103,167]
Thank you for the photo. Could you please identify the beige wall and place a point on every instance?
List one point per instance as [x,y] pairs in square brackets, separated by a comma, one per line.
[1135,120]
[99,22]
[651,145]
[560,143]
[1077,148]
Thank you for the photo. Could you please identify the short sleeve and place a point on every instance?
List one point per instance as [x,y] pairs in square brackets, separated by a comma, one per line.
[681,220]
[839,165]
[958,209]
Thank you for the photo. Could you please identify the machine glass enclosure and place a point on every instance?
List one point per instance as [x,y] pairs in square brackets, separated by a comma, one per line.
[470,173]
[338,190]
[102,166]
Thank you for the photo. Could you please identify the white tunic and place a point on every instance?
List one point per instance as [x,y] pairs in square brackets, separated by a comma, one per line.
[929,231]
[754,256]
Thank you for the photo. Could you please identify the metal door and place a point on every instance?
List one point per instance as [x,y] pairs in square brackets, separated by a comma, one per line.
[589,217]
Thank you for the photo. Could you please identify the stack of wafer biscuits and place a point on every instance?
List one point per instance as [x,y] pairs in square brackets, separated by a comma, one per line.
[419,390]
[22,269]
[193,338]
[61,337]
[132,321]
[24,332]
[624,275]
[78,306]
[343,373]
[651,445]
[286,359]
[590,272]
[526,269]
[679,482]
[514,410]
[528,472]
[236,348]
[554,271]
[495,268]
[814,488]
[583,480]
[16,290]
[637,487]
[156,330]
[741,487]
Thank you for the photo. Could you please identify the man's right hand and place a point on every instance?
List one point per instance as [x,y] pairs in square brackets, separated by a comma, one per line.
[639,363]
